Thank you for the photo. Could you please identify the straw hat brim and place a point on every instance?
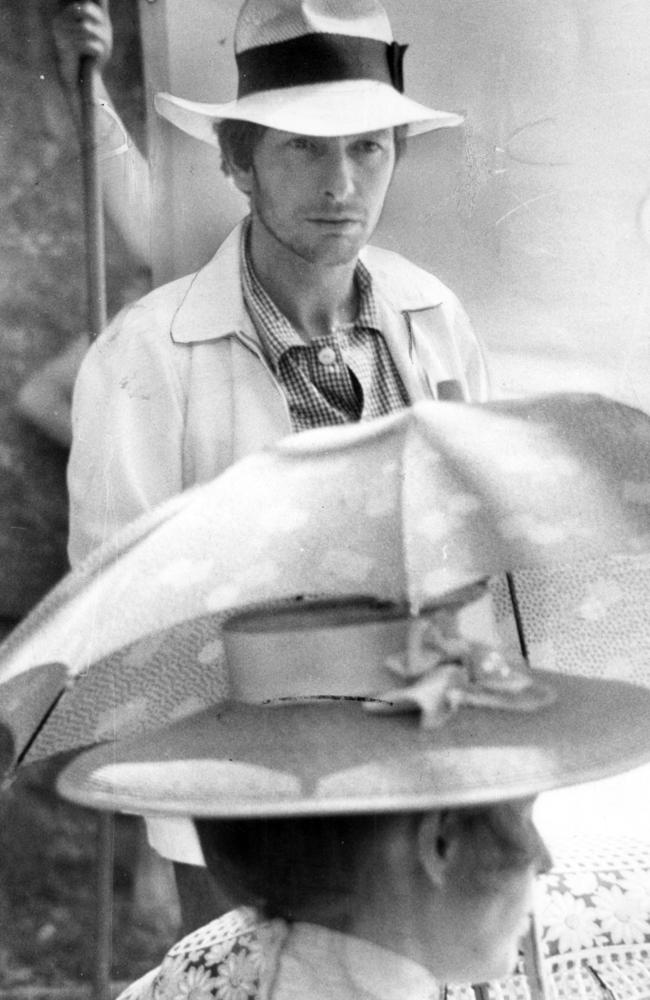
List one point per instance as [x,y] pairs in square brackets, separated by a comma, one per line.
[237,760]
[346,107]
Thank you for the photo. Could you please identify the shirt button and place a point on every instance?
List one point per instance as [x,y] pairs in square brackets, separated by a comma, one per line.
[327,356]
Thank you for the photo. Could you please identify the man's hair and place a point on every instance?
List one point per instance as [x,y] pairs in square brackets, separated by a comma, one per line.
[285,866]
[400,136]
[238,139]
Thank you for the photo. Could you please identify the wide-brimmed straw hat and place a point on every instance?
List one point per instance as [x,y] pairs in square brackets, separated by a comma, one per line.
[314,67]
[328,714]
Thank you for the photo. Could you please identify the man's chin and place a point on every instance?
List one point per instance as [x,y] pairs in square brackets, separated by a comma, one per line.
[336,251]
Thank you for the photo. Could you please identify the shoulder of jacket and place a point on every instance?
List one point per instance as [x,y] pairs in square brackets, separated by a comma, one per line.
[148,319]
[407,285]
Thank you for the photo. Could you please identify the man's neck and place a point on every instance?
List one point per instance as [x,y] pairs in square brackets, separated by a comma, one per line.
[316,298]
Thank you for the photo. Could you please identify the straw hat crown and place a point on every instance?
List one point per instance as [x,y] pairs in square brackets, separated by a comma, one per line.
[264,23]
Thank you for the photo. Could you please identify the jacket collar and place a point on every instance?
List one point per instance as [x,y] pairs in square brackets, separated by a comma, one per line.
[213,305]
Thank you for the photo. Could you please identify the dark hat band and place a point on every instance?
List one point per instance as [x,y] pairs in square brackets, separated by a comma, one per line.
[319,58]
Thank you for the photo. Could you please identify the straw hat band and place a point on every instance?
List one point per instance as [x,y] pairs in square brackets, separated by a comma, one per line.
[328,660]
[375,654]
[319,58]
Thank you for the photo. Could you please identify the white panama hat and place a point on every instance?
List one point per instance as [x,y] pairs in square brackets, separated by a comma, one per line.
[314,67]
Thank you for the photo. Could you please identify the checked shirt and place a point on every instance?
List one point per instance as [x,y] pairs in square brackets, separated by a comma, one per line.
[344,377]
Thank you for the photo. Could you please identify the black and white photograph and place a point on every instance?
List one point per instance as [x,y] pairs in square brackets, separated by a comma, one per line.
[325,500]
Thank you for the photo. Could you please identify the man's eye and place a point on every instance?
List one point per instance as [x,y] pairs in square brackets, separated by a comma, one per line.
[301,142]
[368,146]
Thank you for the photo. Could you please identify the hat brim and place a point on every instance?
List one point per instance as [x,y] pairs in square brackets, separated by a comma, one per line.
[346,107]
[236,760]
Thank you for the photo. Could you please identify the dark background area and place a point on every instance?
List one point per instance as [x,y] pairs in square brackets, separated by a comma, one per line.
[42,295]
[47,847]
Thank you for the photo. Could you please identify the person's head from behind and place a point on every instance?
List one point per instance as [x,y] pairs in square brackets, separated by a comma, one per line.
[450,889]
[387,797]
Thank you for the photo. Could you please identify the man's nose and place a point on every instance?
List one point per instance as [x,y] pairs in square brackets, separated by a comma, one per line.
[338,174]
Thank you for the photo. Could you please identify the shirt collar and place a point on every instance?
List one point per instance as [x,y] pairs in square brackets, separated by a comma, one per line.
[212,306]
[272,325]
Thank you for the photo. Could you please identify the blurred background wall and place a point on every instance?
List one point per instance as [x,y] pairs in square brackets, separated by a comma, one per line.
[42,298]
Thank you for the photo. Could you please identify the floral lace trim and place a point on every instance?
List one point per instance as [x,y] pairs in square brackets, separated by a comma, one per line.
[233,958]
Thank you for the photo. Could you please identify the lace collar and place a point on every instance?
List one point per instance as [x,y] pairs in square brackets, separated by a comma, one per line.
[243,957]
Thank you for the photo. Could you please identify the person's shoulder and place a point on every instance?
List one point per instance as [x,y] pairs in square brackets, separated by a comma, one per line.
[406,284]
[240,937]
[154,310]
[141,330]
[171,313]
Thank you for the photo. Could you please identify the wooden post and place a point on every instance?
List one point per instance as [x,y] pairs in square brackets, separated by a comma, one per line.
[103,906]
[92,188]
[96,304]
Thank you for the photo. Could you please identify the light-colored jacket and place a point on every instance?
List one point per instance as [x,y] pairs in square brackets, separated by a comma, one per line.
[177,388]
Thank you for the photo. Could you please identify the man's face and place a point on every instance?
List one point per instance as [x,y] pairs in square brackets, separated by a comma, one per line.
[319,198]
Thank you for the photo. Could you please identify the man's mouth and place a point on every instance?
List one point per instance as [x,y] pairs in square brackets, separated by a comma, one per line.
[336,220]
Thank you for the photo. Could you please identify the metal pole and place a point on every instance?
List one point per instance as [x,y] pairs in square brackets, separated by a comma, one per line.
[537,978]
[96,304]
[519,624]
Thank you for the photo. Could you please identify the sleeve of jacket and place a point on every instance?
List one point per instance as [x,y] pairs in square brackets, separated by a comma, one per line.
[128,424]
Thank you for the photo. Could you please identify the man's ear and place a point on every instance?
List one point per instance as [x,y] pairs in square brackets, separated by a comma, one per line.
[435,848]
[243,179]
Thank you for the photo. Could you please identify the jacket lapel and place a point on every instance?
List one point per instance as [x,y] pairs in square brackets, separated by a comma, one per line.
[213,306]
